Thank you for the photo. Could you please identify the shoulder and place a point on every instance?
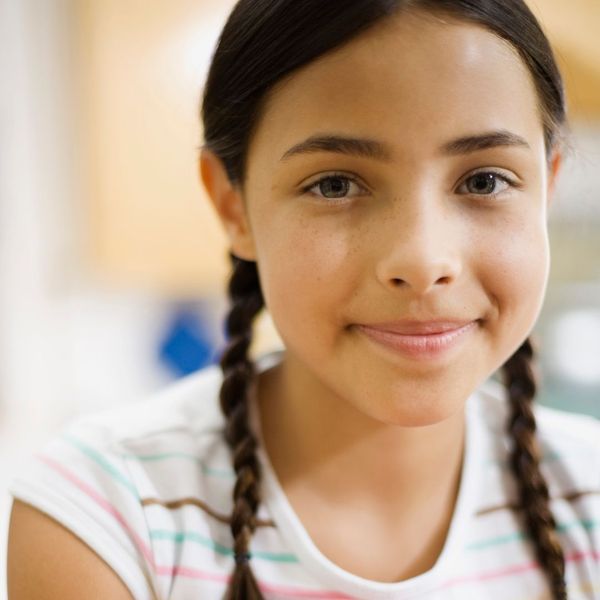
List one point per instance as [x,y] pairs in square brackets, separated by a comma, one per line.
[44,569]
[188,406]
[141,444]
[101,475]
[569,446]
[564,436]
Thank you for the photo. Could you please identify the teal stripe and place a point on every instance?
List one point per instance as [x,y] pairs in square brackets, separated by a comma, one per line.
[586,524]
[223,473]
[102,463]
[181,536]
[497,541]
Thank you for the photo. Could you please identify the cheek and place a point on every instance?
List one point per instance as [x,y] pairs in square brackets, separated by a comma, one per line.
[307,271]
[514,265]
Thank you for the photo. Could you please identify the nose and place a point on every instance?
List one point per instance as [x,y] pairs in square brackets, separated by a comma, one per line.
[422,250]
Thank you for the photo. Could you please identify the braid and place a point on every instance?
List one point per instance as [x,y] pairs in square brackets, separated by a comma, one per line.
[238,374]
[520,380]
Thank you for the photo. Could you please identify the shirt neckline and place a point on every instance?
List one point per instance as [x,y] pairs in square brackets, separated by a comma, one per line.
[330,575]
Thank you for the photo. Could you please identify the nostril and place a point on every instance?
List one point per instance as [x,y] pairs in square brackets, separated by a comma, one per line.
[444,280]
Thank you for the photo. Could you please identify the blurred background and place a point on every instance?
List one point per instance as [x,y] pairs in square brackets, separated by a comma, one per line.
[112,264]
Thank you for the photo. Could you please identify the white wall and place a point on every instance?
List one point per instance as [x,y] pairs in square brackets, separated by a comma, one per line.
[66,344]
[69,343]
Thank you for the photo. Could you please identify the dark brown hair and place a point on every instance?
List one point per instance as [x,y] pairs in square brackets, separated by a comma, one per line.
[262,42]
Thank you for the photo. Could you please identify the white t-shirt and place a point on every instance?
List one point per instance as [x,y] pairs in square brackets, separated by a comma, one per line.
[148,487]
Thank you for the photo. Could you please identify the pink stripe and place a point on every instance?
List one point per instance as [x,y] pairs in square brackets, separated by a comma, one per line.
[297,593]
[103,503]
[530,566]
[288,591]
[265,587]
[171,571]
[192,574]
[577,556]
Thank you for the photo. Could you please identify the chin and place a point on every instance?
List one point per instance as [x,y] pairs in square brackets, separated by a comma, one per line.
[418,412]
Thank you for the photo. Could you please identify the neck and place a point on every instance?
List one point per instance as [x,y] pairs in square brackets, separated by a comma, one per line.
[316,439]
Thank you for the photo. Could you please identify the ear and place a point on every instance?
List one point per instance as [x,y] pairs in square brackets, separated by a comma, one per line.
[228,202]
[554,168]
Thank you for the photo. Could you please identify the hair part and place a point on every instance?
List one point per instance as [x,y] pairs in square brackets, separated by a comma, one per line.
[262,43]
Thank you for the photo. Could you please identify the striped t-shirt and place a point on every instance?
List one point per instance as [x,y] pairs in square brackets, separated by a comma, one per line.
[148,487]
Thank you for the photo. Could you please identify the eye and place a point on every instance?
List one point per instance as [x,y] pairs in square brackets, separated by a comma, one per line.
[334,187]
[487,183]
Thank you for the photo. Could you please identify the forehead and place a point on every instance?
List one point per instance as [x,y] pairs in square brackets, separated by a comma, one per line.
[413,81]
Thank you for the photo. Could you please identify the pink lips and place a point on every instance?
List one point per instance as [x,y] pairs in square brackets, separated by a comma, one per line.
[419,339]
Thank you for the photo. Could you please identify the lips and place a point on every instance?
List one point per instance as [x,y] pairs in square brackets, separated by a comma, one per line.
[423,340]
[419,327]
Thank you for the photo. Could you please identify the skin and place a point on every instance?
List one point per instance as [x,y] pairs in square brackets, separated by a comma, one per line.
[46,561]
[356,433]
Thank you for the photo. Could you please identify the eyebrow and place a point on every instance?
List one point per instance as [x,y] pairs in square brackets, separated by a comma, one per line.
[492,139]
[368,148]
[361,147]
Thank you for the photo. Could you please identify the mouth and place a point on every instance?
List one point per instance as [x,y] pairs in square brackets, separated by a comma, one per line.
[420,339]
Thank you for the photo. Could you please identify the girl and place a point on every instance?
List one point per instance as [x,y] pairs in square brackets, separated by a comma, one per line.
[383,170]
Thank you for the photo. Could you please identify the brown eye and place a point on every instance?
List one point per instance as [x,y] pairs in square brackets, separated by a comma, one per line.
[482,183]
[486,183]
[334,187]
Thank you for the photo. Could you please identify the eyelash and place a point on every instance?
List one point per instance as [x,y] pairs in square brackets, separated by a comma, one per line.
[343,199]
[498,176]
[341,176]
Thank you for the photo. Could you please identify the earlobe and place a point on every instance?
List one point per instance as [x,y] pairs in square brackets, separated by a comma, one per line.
[228,202]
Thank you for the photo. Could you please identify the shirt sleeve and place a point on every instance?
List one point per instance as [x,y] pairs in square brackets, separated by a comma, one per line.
[81,479]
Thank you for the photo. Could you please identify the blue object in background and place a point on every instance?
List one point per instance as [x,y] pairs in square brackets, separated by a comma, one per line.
[187,344]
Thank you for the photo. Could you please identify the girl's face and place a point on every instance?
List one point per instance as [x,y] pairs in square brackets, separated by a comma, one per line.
[439,215]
